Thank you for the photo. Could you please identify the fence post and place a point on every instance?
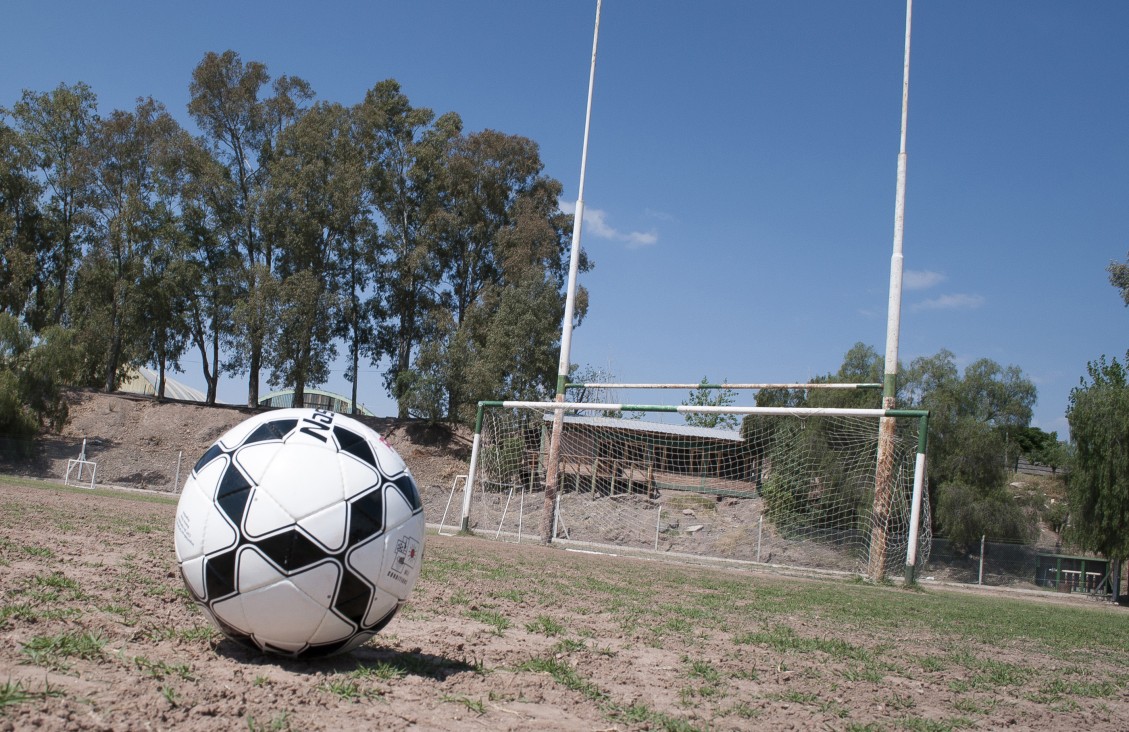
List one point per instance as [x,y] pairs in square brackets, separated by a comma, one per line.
[176,480]
[980,579]
[760,533]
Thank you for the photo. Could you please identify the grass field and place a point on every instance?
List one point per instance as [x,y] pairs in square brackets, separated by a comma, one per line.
[97,632]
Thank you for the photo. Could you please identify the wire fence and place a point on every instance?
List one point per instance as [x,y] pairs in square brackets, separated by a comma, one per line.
[1012,564]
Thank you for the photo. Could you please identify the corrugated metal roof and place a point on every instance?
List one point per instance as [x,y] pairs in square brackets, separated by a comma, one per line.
[638,425]
[144,381]
[337,402]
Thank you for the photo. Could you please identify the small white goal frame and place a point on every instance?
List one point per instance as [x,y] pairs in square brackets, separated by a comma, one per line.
[80,463]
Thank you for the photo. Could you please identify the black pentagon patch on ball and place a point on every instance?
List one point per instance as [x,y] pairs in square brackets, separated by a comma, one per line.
[366,516]
[213,452]
[353,596]
[355,445]
[232,494]
[290,550]
[275,430]
[220,574]
[407,488]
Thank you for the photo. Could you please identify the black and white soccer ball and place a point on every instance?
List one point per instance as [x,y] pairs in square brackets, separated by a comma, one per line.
[300,532]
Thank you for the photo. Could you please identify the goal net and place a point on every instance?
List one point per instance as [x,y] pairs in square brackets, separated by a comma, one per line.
[785,486]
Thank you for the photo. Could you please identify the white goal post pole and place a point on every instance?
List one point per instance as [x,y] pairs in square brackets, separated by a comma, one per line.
[468,488]
[683,409]
[915,502]
[884,472]
[725,386]
[551,478]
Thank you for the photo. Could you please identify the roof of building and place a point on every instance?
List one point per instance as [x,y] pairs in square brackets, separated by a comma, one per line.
[638,425]
[285,397]
[144,380]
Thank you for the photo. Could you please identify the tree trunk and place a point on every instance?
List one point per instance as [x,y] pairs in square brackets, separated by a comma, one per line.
[255,361]
[161,378]
[212,375]
[113,356]
[403,361]
[355,349]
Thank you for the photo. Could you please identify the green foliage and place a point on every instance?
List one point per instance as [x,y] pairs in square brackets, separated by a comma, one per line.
[241,127]
[978,420]
[55,131]
[507,457]
[1119,278]
[1057,515]
[975,423]
[132,210]
[965,513]
[861,365]
[33,372]
[14,692]
[1043,448]
[704,396]
[799,494]
[1098,485]
[284,230]
[786,450]
[53,651]
[23,228]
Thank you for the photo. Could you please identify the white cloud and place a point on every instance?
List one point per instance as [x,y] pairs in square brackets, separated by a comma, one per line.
[957,301]
[660,215]
[596,223]
[913,279]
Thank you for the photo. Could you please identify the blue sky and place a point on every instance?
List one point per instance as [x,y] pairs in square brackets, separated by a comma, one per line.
[740,187]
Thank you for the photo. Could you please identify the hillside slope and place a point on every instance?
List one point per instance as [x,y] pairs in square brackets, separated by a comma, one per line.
[138,442]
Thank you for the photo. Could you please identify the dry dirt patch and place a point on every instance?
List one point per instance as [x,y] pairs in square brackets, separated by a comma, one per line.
[96,632]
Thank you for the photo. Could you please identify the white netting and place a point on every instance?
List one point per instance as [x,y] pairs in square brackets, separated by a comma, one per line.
[794,489]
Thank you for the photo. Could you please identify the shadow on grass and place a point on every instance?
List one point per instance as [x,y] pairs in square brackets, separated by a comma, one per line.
[407,663]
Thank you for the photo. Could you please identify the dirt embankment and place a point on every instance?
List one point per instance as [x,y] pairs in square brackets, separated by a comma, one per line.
[137,442]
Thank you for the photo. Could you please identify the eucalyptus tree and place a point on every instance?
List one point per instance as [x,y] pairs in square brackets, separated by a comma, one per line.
[315,213]
[405,150]
[22,230]
[507,267]
[132,214]
[240,126]
[165,290]
[56,126]
[208,222]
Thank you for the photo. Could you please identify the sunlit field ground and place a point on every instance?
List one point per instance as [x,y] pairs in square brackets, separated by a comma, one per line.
[97,632]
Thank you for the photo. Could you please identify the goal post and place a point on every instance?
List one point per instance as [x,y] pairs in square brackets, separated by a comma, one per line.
[807,475]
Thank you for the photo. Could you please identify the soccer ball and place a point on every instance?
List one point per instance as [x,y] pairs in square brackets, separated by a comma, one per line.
[300,532]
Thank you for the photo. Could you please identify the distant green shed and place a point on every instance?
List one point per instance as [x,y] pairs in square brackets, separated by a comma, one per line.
[1066,573]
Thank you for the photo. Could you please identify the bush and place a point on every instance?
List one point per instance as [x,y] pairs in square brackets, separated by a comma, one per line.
[33,372]
[966,513]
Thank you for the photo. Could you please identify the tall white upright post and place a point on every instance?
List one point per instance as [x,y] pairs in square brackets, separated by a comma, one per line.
[552,467]
[884,471]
